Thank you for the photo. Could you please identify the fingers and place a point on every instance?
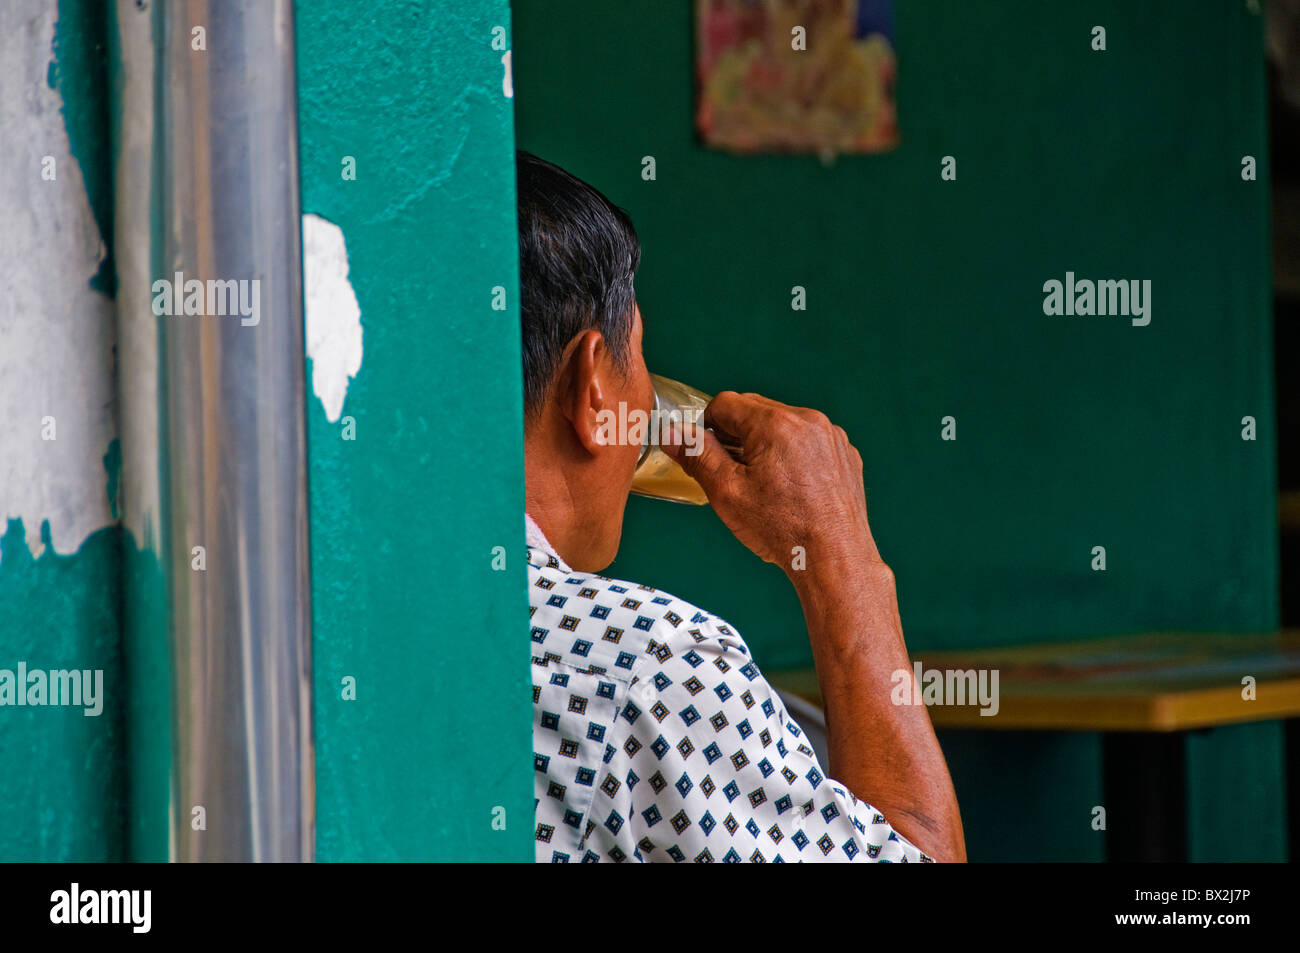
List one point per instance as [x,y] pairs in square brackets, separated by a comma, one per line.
[738,414]
[742,416]
[703,458]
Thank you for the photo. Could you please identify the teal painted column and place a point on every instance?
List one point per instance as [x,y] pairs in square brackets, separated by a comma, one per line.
[415,439]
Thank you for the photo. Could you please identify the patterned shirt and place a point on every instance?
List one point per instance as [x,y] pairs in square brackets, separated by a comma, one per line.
[656,738]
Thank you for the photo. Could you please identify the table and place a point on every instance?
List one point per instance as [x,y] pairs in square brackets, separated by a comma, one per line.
[1141,692]
[1152,682]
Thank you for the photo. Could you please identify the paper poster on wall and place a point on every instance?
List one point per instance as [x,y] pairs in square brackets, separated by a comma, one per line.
[796,75]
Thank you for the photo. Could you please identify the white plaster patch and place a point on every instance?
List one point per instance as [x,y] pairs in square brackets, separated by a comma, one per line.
[56,332]
[333,315]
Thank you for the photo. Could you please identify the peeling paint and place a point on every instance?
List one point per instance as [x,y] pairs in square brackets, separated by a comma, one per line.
[57,331]
[333,315]
[78,71]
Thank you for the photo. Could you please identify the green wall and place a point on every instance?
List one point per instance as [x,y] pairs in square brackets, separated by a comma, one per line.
[63,779]
[404,518]
[434,755]
[925,300]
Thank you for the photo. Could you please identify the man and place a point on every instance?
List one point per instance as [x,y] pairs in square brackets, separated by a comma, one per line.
[656,736]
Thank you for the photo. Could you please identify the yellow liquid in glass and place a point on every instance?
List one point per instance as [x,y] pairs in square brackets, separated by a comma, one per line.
[658,475]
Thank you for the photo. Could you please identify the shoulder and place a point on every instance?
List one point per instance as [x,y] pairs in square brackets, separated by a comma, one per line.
[611,626]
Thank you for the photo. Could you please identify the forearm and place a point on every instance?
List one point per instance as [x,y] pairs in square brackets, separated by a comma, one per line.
[885,753]
[797,488]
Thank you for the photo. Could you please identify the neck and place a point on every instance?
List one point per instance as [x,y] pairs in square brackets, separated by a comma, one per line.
[573,495]
[552,521]
[551,502]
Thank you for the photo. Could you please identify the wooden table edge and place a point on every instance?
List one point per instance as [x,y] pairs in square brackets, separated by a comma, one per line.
[1156,712]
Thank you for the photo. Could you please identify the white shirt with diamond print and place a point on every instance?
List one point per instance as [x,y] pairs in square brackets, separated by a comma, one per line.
[656,738]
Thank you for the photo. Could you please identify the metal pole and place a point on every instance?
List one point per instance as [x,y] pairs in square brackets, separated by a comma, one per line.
[225,299]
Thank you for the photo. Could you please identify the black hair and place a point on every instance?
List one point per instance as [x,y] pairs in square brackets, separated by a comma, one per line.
[578,254]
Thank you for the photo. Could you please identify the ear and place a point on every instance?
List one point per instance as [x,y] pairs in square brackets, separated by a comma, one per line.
[584,390]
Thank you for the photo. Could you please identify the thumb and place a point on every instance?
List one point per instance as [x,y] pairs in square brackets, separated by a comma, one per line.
[699,453]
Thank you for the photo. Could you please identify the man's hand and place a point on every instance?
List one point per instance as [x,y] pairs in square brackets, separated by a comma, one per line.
[796,481]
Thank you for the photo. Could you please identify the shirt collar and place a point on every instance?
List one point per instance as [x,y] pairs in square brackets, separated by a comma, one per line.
[538,543]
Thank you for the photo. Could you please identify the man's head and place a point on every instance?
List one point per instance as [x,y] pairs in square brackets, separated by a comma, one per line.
[578,255]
